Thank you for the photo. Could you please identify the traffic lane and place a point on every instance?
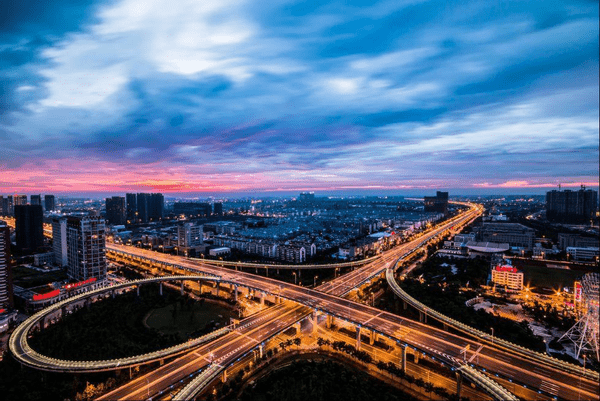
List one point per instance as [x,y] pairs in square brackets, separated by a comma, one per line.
[179,370]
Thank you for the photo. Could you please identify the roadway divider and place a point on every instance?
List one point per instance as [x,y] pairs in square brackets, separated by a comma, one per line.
[485,337]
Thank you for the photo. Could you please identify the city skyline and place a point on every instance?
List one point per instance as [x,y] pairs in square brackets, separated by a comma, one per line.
[195,98]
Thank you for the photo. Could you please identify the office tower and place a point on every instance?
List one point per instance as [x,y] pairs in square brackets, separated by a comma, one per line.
[437,203]
[59,241]
[156,207]
[49,203]
[192,209]
[218,208]
[6,292]
[36,200]
[86,247]
[2,212]
[115,210]
[190,235]
[131,200]
[571,206]
[8,206]
[20,200]
[142,207]
[29,227]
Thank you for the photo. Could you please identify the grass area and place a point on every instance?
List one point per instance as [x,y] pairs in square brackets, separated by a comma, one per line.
[184,320]
[321,381]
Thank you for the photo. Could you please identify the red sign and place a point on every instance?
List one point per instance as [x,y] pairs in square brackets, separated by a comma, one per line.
[506,269]
[48,295]
[79,284]
[2,310]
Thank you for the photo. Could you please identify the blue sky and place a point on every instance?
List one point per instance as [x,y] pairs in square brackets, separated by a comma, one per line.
[239,96]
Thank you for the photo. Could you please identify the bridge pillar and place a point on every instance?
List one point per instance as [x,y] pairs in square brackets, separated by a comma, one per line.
[314,322]
[160,290]
[445,327]
[416,354]
[299,273]
[260,351]
[404,358]
[357,337]
[218,287]
[330,321]
[224,376]
[235,293]
[266,271]
[262,298]
[63,312]
[182,288]
[459,377]
[404,305]
[298,327]
[112,294]
[372,337]
[422,317]
[138,290]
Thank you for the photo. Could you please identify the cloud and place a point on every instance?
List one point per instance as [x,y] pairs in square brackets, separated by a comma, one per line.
[379,95]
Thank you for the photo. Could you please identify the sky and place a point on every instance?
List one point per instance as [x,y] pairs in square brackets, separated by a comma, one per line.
[201,97]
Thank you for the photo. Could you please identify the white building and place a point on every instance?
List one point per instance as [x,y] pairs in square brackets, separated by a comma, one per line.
[507,276]
[190,235]
[59,241]
[579,253]
[86,244]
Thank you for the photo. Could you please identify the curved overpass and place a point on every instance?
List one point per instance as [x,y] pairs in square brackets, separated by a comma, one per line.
[482,336]
[21,350]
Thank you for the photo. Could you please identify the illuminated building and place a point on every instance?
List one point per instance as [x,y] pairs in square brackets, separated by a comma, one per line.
[86,246]
[507,276]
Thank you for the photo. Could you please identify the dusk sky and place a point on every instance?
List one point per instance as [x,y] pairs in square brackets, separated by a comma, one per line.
[240,96]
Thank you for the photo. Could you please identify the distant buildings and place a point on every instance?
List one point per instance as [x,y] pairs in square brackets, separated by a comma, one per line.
[59,241]
[36,200]
[144,208]
[86,247]
[575,240]
[7,206]
[192,209]
[583,254]
[516,235]
[29,227]
[437,203]
[571,206]
[508,277]
[6,292]
[306,196]
[49,203]
[20,200]
[115,210]
[218,208]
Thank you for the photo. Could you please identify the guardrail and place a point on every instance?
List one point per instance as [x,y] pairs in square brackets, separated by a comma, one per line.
[199,382]
[22,351]
[495,341]
[488,385]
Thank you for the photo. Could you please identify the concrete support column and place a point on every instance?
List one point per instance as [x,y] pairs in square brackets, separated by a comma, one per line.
[372,337]
[314,322]
[112,294]
[182,288]
[260,351]
[416,354]
[459,377]
[235,293]
[200,287]
[357,337]
[138,290]
[218,287]
[298,327]
[267,271]
[404,305]
[160,290]
[445,327]
[262,298]
[404,358]
[224,376]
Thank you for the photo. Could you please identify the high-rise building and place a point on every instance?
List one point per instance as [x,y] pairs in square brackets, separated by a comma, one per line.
[29,227]
[437,203]
[86,246]
[20,200]
[131,208]
[571,206]
[218,208]
[192,208]
[36,200]
[59,241]
[115,210]
[49,203]
[2,212]
[515,234]
[6,292]
[190,235]
[142,207]
[8,206]
[156,207]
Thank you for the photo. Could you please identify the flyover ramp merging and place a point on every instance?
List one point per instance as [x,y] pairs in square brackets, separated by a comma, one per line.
[531,373]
